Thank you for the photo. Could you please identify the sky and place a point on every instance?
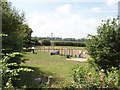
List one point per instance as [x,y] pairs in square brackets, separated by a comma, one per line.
[66,18]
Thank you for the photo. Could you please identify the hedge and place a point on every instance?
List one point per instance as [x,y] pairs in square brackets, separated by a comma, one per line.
[68,43]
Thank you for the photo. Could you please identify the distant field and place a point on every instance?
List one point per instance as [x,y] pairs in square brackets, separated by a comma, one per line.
[61,41]
[46,65]
[59,47]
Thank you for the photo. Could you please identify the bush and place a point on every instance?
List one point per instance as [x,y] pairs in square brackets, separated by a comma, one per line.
[37,43]
[104,48]
[46,42]
[92,64]
[69,43]
[11,69]
[89,78]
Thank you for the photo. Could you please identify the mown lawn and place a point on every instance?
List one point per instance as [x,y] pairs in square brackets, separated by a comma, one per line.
[45,65]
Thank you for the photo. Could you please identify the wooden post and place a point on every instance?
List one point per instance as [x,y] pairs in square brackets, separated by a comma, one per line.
[72,52]
[44,49]
[69,52]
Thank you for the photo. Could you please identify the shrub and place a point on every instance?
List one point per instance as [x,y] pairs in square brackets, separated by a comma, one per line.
[89,78]
[46,42]
[92,64]
[37,43]
[11,69]
[104,48]
[69,43]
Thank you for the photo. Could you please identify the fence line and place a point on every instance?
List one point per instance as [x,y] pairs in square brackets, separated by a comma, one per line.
[65,51]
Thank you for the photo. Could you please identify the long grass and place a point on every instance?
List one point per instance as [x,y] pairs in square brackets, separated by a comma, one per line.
[46,65]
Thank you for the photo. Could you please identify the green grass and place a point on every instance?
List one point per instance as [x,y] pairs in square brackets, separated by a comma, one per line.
[46,65]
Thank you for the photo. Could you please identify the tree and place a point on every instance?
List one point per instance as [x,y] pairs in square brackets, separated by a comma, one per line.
[46,42]
[13,24]
[13,34]
[36,41]
[104,48]
[26,34]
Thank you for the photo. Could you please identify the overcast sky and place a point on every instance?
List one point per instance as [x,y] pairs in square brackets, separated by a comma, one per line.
[66,18]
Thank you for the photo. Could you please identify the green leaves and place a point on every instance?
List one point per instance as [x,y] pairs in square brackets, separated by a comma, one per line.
[13,25]
[104,47]
[15,33]
[46,42]
[89,78]
[11,68]
[3,35]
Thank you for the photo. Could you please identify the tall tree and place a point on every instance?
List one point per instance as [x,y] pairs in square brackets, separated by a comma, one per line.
[105,47]
[25,34]
[13,24]
[15,33]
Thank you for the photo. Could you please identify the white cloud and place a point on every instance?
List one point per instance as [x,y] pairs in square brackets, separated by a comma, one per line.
[95,9]
[98,10]
[65,9]
[56,1]
[72,25]
[62,22]
[112,2]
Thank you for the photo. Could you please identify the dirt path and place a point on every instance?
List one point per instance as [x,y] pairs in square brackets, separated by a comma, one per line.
[78,59]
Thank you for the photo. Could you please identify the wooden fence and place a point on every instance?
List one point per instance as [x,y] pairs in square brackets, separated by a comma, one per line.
[71,52]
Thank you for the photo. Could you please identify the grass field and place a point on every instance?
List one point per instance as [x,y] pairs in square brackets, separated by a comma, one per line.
[59,47]
[46,65]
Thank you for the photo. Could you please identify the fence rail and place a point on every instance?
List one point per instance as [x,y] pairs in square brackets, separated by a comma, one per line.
[71,52]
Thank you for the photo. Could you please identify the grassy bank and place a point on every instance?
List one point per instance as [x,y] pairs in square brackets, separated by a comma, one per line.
[46,65]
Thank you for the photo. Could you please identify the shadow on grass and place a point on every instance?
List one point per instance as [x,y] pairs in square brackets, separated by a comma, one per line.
[28,79]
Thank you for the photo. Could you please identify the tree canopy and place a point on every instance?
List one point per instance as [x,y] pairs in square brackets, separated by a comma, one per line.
[104,48]
[13,24]
[46,42]
[15,33]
